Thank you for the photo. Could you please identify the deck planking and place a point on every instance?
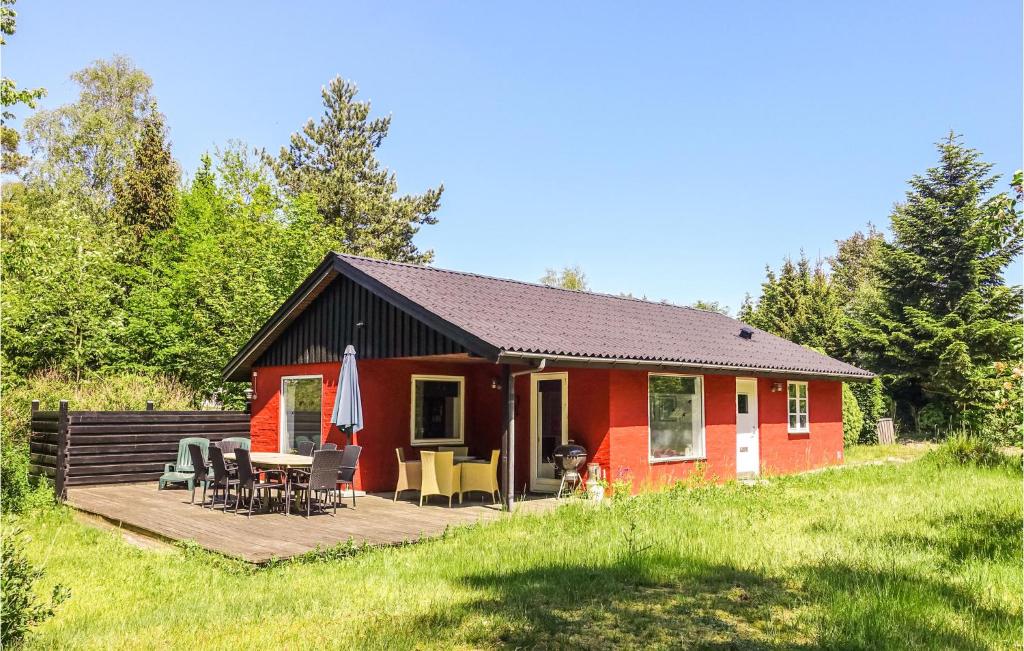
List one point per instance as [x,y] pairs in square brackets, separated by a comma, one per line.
[376,520]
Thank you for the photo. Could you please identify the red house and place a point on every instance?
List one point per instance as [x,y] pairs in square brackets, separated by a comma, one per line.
[451,358]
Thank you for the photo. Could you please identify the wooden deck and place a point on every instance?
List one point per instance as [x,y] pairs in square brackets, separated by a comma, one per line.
[376,520]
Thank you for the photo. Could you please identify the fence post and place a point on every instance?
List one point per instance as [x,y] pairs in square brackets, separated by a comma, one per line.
[150,406]
[35,406]
[61,470]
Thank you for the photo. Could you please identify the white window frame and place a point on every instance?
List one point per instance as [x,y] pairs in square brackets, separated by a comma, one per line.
[797,413]
[281,418]
[703,423]
[461,379]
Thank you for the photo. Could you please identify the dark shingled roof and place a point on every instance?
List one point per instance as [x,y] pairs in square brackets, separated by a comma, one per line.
[520,319]
[525,317]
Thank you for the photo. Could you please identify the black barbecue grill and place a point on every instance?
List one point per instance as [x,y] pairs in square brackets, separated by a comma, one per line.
[568,459]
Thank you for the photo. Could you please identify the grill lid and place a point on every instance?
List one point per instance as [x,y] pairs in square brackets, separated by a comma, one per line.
[569,457]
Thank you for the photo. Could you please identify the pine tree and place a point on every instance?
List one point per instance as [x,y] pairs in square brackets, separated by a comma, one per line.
[944,315]
[797,303]
[146,193]
[334,159]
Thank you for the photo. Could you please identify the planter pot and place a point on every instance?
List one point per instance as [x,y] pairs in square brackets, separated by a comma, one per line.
[596,491]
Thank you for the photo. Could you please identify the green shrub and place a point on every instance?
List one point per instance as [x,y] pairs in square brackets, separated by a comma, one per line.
[853,417]
[112,391]
[934,420]
[1005,422]
[963,448]
[18,491]
[871,400]
[20,606]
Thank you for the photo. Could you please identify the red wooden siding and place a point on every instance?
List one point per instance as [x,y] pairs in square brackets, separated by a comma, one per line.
[782,452]
[607,415]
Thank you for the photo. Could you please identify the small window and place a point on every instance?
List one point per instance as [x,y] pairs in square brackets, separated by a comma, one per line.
[437,409]
[741,404]
[798,420]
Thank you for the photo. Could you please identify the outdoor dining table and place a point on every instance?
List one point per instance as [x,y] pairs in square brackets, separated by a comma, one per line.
[276,461]
[463,458]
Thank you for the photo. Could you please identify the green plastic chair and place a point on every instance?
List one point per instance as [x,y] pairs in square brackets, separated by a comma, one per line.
[238,442]
[182,472]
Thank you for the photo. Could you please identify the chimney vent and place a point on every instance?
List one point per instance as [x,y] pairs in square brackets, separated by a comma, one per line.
[747,332]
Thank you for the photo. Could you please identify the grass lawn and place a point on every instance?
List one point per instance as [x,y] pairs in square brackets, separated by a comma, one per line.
[898,555]
[858,454]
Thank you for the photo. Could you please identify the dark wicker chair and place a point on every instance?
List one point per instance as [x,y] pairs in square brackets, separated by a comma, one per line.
[223,477]
[330,446]
[199,470]
[321,480]
[249,481]
[306,448]
[347,472]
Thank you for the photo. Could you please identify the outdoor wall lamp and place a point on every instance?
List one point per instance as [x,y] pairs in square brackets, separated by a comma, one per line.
[250,392]
[495,384]
[776,387]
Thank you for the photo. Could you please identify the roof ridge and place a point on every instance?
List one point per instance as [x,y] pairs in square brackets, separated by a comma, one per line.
[528,283]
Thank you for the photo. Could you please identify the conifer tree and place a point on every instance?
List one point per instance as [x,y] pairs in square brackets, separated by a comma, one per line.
[334,160]
[146,193]
[944,316]
[799,304]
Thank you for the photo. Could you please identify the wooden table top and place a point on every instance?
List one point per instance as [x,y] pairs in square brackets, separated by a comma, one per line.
[275,459]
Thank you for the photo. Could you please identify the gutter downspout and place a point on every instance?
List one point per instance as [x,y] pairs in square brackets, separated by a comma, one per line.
[509,442]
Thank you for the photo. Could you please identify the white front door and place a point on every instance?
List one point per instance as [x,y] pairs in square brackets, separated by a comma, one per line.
[549,426]
[748,457]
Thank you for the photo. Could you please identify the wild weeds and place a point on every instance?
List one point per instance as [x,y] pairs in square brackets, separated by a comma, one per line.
[963,448]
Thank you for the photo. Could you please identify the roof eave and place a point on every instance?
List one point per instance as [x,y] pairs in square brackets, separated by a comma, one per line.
[507,356]
[240,365]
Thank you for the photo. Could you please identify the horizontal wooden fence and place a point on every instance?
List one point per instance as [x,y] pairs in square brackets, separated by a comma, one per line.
[74,448]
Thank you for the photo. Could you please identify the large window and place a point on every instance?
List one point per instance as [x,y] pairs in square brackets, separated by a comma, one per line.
[301,411]
[676,416]
[437,409]
[798,421]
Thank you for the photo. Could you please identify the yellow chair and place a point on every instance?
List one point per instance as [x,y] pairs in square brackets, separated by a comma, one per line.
[440,476]
[481,477]
[409,474]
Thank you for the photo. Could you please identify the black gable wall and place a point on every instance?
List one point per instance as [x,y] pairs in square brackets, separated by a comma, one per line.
[331,322]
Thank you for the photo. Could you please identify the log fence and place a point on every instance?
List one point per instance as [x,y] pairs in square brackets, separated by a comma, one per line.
[74,448]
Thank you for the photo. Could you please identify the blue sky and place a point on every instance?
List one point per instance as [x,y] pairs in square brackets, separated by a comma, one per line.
[670,149]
